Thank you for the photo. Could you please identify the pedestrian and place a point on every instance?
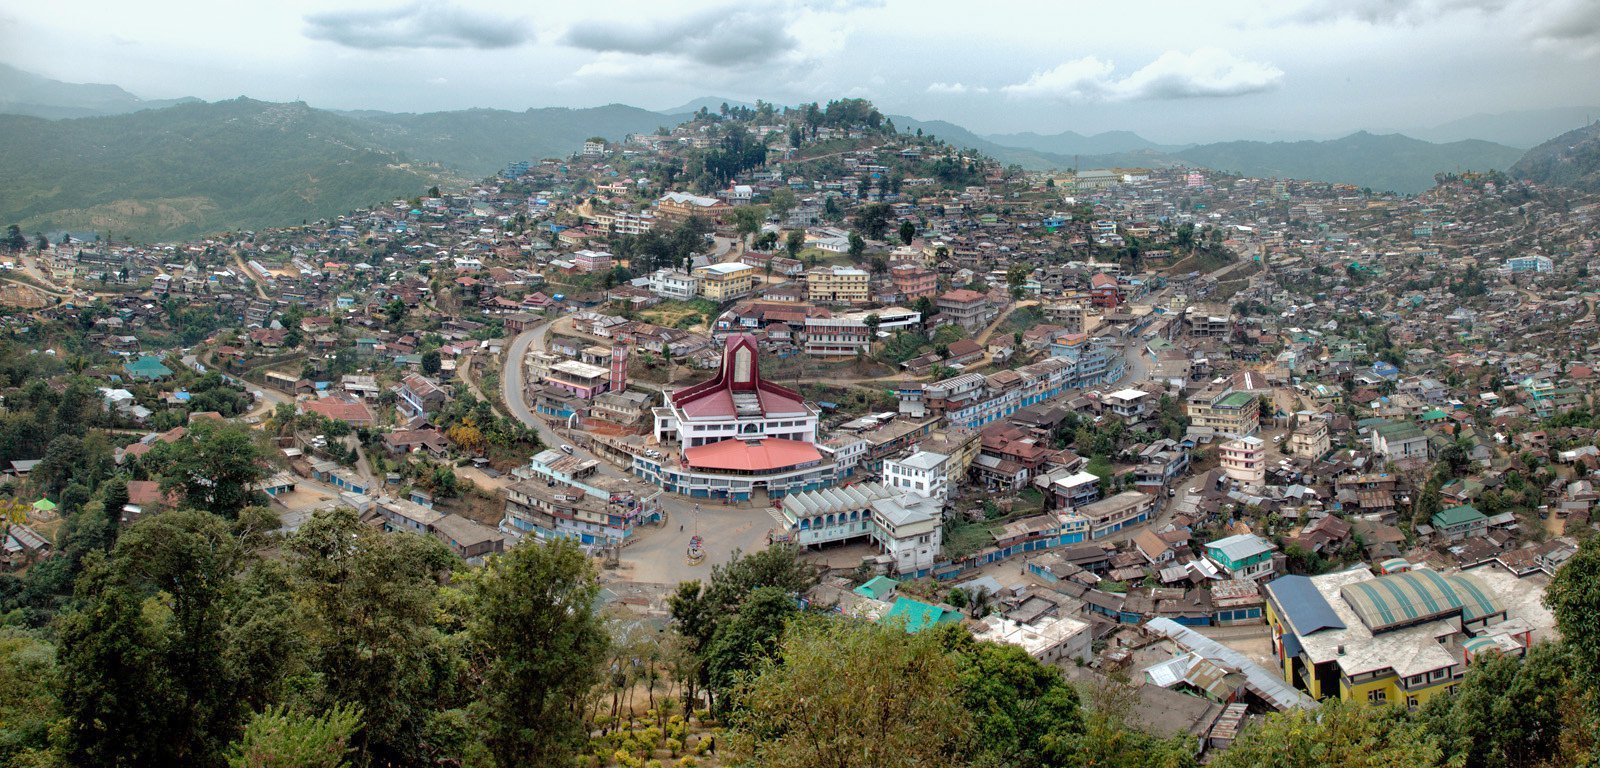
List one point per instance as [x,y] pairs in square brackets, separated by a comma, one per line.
[680,526]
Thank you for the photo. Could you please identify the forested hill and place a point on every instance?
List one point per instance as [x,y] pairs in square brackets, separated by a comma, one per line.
[479,142]
[1571,159]
[199,168]
[194,168]
[1385,163]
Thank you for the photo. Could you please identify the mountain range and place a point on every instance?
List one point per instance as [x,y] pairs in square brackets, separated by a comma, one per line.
[25,93]
[95,157]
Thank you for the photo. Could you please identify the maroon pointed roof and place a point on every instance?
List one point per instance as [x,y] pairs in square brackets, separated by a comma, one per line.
[738,382]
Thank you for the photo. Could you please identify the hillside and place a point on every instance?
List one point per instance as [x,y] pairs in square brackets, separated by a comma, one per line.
[479,142]
[1391,162]
[193,169]
[1571,160]
[25,93]
[1031,159]
[1522,128]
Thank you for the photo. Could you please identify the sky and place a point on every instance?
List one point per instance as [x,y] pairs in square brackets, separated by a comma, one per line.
[1171,70]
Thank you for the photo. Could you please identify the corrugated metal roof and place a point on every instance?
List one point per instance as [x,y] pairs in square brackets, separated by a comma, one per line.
[1418,595]
[1262,681]
[1303,605]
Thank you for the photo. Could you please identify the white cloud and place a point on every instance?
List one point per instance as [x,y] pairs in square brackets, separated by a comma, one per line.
[419,25]
[1203,73]
[952,89]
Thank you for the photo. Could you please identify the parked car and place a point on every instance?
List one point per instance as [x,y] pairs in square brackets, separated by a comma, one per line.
[566,449]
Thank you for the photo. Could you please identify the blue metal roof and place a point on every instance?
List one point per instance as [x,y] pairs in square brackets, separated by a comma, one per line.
[1303,605]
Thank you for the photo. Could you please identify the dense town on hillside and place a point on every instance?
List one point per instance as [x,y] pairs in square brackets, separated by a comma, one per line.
[1251,444]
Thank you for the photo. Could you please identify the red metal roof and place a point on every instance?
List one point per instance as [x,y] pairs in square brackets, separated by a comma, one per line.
[768,454]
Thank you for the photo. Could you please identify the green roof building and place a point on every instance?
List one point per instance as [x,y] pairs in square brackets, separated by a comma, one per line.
[1457,523]
[917,615]
[146,368]
[879,588]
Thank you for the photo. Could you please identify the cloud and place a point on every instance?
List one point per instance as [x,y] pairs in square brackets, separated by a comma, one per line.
[955,88]
[1390,12]
[1203,73]
[419,25]
[1569,26]
[725,36]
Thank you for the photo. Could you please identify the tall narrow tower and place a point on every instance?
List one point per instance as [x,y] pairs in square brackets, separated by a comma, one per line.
[619,367]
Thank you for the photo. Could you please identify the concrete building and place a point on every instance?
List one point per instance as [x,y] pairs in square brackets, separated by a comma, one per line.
[903,518]
[1222,411]
[1310,439]
[912,281]
[969,309]
[838,285]
[1400,440]
[735,435]
[1401,638]
[1107,516]
[1244,556]
[580,379]
[674,284]
[722,282]
[1244,459]
[1052,640]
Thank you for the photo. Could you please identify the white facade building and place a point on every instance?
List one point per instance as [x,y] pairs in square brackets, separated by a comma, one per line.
[1244,459]
[673,284]
[903,517]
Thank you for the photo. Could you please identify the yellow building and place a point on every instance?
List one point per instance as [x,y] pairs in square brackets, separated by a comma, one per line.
[1401,638]
[838,285]
[1222,411]
[721,282]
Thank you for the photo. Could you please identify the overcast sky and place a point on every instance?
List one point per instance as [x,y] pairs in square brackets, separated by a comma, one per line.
[1171,70]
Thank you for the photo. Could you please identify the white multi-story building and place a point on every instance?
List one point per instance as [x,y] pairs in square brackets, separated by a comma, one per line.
[673,284]
[922,473]
[903,515]
[1244,459]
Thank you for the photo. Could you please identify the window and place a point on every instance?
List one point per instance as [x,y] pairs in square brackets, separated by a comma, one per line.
[1411,702]
[1378,697]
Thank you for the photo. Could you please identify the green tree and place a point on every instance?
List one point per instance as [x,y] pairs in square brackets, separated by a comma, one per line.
[746,638]
[846,694]
[781,201]
[214,467]
[793,242]
[367,602]
[1024,713]
[144,675]
[908,232]
[747,220]
[1574,597]
[537,645]
[1339,733]
[1509,712]
[431,363]
[281,738]
[858,246]
[29,685]
[15,241]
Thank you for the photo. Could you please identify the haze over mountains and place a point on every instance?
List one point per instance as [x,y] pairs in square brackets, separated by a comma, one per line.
[169,169]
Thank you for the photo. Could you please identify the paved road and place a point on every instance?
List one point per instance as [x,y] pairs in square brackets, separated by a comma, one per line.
[511,387]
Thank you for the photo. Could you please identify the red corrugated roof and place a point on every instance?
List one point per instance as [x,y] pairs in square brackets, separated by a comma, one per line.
[771,453]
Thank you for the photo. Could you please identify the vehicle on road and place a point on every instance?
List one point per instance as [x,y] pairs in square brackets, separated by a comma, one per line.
[566,449]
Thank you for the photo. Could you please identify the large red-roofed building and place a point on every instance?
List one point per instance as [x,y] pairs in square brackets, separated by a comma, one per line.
[736,435]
